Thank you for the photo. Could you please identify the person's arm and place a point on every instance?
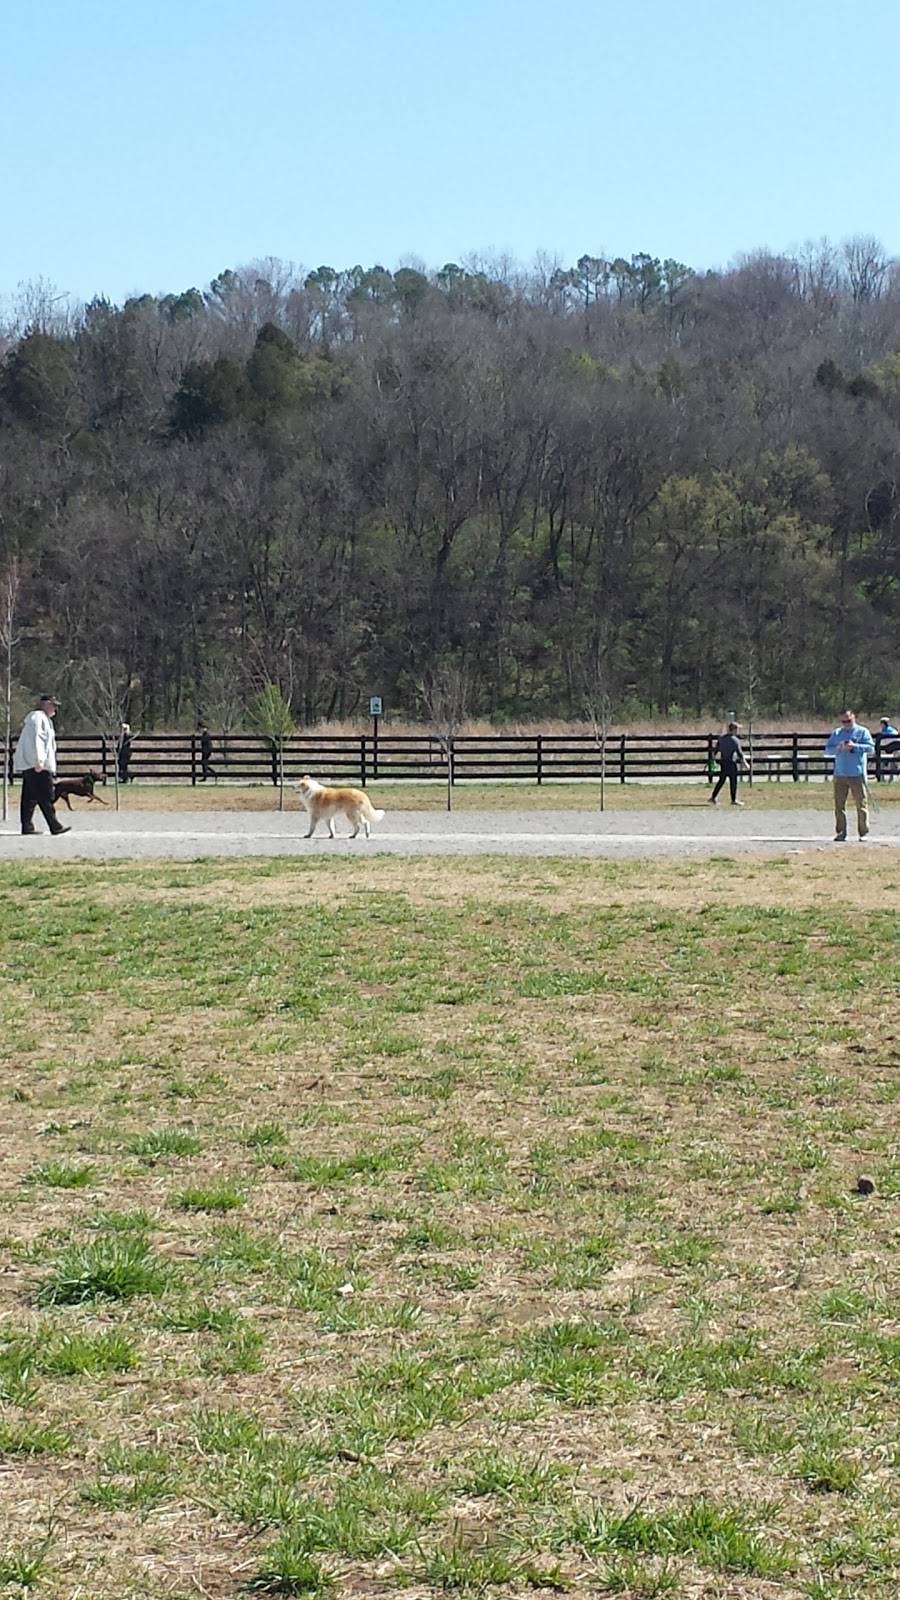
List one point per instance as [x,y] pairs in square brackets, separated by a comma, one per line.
[834,741]
[867,742]
[26,754]
[43,738]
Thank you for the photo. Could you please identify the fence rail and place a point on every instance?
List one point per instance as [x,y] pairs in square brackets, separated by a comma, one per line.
[530,758]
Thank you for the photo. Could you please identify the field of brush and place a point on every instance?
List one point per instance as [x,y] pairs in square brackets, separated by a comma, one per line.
[378,1227]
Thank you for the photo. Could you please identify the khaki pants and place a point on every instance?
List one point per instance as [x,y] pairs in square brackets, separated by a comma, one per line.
[858,788]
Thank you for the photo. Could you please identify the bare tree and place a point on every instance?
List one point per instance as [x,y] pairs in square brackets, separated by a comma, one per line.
[222,698]
[103,700]
[9,594]
[867,267]
[41,306]
[445,695]
[599,703]
[751,687]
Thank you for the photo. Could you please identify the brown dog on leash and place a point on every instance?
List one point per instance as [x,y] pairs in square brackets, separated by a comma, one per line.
[64,788]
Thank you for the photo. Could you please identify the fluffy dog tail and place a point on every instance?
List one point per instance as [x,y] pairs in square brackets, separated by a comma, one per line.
[371,814]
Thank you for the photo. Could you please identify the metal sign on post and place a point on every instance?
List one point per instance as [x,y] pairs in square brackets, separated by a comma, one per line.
[376,707]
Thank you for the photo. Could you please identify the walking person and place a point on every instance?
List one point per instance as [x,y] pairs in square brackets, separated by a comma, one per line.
[731,761]
[123,752]
[850,747]
[35,762]
[206,750]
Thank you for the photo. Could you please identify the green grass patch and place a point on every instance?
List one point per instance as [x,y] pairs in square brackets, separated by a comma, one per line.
[117,1268]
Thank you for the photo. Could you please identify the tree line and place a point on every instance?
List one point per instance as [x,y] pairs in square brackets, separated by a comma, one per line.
[681,486]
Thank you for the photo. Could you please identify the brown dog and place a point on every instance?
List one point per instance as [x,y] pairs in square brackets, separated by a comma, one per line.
[64,788]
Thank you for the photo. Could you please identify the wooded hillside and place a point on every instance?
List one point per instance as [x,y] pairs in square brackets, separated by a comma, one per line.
[681,487]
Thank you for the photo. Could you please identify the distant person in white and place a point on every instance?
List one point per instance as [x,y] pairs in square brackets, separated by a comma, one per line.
[35,762]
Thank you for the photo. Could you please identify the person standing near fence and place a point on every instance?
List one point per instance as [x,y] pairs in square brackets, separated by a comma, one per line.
[850,747]
[206,750]
[123,752]
[35,762]
[731,761]
[889,748]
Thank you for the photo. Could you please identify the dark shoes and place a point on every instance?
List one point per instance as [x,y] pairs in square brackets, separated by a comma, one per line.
[29,830]
[840,838]
[57,831]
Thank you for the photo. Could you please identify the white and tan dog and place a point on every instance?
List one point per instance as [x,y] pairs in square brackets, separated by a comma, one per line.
[321,802]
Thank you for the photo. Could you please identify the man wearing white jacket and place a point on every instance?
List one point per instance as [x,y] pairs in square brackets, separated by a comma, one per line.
[35,761]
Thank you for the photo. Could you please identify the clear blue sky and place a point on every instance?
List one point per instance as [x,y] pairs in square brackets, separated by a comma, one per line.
[148,147]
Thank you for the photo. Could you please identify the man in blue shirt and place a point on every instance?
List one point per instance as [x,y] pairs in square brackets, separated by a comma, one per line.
[850,747]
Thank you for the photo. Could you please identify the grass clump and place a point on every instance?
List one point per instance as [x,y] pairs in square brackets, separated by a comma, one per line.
[63,1174]
[24,1567]
[115,1268]
[720,1537]
[165,1142]
[287,1568]
[33,1439]
[132,1479]
[212,1197]
[61,1354]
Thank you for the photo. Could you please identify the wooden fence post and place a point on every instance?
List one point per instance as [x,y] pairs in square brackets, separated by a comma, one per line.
[540,767]
[362,759]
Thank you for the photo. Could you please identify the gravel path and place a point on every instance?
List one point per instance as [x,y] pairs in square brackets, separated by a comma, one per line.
[679,831]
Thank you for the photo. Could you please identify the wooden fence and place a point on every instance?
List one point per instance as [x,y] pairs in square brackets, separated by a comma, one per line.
[530,758]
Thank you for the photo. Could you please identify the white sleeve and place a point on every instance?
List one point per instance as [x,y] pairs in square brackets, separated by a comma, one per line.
[43,741]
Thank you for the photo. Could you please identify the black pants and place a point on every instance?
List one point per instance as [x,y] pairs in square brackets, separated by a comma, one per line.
[730,772]
[37,791]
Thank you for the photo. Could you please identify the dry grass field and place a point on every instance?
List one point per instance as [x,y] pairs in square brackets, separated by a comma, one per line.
[424,796]
[476,1227]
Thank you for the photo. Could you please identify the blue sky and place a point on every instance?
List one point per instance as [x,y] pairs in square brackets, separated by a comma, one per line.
[149,147]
